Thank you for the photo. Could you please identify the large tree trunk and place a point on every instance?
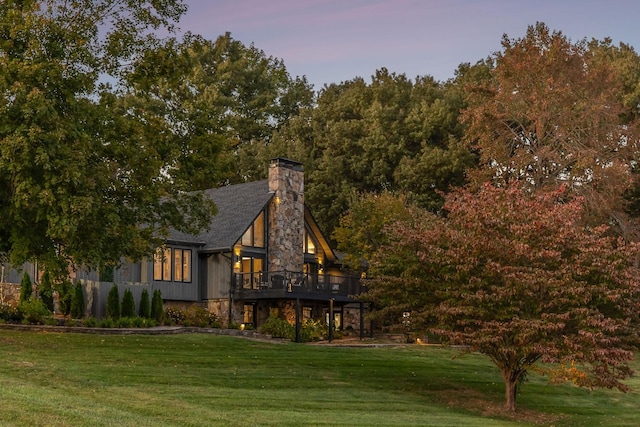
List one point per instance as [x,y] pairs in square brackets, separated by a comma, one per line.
[511,380]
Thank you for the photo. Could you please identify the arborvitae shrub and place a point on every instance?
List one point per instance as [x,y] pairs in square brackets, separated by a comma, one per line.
[46,291]
[157,310]
[113,303]
[145,306]
[77,303]
[26,287]
[128,304]
[65,296]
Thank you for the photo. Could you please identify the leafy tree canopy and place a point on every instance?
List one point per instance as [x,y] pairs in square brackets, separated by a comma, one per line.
[224,99]
[516,276]
[85,166]
[555,112]
[392,134]
[361,232]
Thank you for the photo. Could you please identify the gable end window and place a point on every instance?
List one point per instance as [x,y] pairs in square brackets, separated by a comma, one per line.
[172,265]
[309,243]
[254,236]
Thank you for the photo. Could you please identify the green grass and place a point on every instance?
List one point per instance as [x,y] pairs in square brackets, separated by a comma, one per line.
[57,379]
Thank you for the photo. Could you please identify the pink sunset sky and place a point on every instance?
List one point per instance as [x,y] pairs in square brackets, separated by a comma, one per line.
[331,41]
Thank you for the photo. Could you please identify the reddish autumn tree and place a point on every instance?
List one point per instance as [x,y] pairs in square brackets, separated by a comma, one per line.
[556,112]
[514,275]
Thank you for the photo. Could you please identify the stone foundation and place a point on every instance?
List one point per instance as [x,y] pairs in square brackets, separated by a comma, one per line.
[9,294]
[220,307]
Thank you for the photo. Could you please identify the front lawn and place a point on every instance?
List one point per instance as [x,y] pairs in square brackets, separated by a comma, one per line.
[65,379]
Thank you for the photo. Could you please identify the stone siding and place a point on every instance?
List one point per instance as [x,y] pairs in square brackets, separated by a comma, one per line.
[286,219]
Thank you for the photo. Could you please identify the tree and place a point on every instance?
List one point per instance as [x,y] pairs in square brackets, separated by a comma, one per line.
[144,310]
[46,291]
[361,232]
[77,302]
[66,291]
[113,303]
[555,113]
[85,166]
[128,304]
[516,276]
[365,137]
[226,100]
[26,287]
[157,311]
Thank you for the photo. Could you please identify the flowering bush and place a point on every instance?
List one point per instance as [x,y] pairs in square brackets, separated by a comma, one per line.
[174,316]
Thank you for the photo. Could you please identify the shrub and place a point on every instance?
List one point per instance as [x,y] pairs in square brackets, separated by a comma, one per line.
[46,290]
[113,303]
[214,321]
[34,312]
[106,323]
[128,304]
[278,328]
[145,306]
[26,288]
[77,303]
[313,330]
[156,306]
[124,322]
[90,322]
[174,316]
[72,322]
[50,321]
[9,313]
[200,317]
[65,297]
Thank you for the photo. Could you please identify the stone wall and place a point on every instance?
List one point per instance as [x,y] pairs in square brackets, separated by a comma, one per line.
[10,294]
[286,218]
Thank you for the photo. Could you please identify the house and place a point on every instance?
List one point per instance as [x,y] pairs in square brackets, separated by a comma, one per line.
[263,255]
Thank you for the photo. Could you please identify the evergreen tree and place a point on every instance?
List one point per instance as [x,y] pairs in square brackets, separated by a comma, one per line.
[145,307]
[77,303]
[157,311]
[65,297]
[128,304]
[113,303]
[46,290]
[26,287]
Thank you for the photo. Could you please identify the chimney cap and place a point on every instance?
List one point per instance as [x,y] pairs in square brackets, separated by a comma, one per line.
[287,163]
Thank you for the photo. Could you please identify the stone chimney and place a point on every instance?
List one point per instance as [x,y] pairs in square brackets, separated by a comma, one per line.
[286,215]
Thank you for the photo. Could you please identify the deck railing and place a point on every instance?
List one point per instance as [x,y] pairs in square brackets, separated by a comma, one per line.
[280,282]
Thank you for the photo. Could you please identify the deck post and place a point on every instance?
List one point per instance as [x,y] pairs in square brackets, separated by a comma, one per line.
[331,320]
[297,319]
[361,320]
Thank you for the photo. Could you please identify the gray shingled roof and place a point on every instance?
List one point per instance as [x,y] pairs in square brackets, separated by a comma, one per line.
[238,205]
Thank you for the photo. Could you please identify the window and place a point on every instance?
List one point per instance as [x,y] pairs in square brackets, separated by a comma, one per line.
[251,267]
[182,265]
[162,264]
[247,317]
[254,236]
[309,243]
[172,265]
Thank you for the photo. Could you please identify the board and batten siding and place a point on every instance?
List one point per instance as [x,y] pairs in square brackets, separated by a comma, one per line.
[218,275]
